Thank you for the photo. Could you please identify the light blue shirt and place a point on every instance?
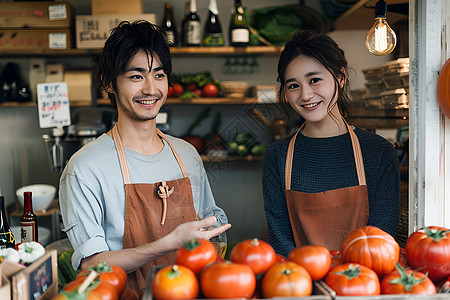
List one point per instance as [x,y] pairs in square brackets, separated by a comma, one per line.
[92,194]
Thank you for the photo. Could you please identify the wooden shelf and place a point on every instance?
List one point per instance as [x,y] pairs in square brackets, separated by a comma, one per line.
[202,100]
[373,118]
[175,51]
[34,104]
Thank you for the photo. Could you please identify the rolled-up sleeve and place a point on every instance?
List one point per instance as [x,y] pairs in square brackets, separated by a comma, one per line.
[82,218]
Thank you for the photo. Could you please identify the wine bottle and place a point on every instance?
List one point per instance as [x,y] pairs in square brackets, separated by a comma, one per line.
[28,221]
[239,32]
[168,24]
[213,35]
[6,235]
[192,30]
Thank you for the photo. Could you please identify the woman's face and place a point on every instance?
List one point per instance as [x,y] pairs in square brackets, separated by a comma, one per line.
[310,88]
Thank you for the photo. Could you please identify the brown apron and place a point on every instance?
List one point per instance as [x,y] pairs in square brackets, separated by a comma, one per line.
[326,218]
[152,210]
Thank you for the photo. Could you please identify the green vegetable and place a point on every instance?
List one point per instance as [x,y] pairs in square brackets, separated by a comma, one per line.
[242,150]
[66,273]
[258,150]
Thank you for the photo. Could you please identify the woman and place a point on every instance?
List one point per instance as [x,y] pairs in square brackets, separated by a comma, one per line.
[329,178]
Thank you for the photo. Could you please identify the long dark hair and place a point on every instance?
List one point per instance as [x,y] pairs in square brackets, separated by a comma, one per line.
[124,42]
[323,49]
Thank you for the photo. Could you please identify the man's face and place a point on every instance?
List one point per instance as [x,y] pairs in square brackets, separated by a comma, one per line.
[142,88]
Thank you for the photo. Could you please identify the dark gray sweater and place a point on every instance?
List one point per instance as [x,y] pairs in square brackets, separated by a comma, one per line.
[322,164]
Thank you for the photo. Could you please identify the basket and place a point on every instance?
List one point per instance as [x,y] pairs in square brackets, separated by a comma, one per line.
[234,89]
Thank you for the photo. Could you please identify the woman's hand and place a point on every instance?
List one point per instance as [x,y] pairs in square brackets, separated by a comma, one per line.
[195,230]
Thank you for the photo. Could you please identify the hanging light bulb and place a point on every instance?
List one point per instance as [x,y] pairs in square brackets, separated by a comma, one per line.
[381,39]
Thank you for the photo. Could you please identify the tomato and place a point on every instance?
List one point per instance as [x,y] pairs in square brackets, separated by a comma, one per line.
[315,259]
[73,295]
[403,281]
[210,90]
[198,92]
[196,254]
[429,249]
[228,280]
[371,247]
[175,90]
[336,258]
[114,275]
[103,289]
[174,282]
[259,255]
[443,90]
[191,87]
[352,279]
[281,259]
[287,280]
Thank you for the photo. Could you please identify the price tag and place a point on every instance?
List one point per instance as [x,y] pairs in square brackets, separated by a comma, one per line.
[53,104]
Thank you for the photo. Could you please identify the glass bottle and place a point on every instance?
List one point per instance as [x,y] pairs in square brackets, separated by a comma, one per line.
[6,235]
[213,35]
[168,24]
[28,221]
[192,30]
[239,32]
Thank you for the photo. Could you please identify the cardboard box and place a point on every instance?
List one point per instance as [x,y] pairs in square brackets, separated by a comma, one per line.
[35,14]
[54,73]
[265,93]
[34,39]
[37,281]
[92,31]
[36,75]
[116,7]
[79,84]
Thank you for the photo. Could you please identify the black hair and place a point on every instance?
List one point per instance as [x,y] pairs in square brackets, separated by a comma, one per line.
[124,42]
[325,50]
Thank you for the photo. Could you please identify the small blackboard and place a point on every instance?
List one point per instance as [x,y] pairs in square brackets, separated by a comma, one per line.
[40,279]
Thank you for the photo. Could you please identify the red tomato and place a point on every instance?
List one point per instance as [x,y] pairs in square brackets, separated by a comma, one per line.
[103,289]
[73,295]
[228,280]
[196,254]
[198,92]
[210,90]
[315,259]
[174,282]
[175,90]
[114,275]
[281,259]
[259,255]
[191,87]
[403,281]
[353,280]
[429,249]
[286,280]
[371,247]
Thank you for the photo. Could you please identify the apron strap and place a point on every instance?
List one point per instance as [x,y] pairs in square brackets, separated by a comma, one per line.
[121,153]
[123,161]
[356,153]
[183,169]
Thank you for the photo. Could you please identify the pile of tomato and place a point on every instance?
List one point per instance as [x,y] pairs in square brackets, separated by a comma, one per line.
[369,262]
[100,282]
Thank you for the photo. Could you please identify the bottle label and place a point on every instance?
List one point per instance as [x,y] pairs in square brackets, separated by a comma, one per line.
[6,238]
[240,35]
[170,37]
[28,231]
[193,33]
[214,40]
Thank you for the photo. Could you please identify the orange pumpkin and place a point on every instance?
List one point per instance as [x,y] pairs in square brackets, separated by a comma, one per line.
[443,89]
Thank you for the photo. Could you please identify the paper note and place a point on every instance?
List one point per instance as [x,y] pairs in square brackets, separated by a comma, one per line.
[53,104]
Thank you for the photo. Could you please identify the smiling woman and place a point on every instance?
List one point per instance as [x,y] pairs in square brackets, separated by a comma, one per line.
[328,170]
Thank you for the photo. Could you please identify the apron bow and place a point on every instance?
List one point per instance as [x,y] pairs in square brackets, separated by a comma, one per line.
[164,193]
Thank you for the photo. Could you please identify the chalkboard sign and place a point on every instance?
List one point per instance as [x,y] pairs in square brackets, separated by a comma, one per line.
[53,104]
[40,279]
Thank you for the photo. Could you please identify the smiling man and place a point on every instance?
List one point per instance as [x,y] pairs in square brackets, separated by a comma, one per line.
[130,197]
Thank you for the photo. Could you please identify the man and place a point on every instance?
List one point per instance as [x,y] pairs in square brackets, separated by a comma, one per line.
[130,197]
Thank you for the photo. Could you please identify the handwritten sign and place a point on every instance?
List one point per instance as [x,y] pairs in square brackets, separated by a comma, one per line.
[40,279]
[53,104]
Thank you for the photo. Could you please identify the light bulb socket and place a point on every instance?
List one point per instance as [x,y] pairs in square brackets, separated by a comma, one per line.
[380,9]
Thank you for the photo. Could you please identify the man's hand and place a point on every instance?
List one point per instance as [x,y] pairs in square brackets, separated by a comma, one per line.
[195,230]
